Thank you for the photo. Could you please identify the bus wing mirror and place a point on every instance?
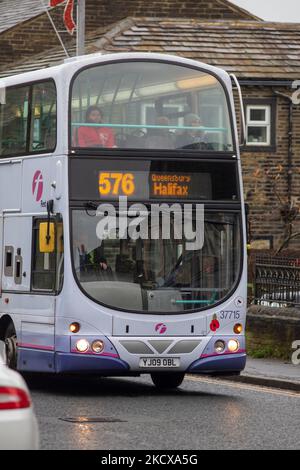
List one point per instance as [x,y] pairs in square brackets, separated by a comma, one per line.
[47,237]
[243,120]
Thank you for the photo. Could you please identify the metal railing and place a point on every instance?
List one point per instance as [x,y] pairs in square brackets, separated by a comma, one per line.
[277,281]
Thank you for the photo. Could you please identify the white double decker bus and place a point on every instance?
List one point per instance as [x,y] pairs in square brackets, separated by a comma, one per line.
[122,221]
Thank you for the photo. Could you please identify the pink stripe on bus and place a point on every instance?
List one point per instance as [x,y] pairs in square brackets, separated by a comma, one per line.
[108,354]
[228,353]
[89,352]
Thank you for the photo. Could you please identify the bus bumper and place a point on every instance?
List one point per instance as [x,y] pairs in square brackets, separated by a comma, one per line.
[226,364]
[66,362]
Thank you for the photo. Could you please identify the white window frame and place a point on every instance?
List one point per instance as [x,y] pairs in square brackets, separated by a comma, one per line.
[265,124]
[179,108]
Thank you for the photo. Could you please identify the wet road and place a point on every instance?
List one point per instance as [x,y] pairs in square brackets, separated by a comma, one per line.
[129,413]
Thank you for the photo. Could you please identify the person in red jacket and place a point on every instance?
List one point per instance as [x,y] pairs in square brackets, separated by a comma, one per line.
[95,136]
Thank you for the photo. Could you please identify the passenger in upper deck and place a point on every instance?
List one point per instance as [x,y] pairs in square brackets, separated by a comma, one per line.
[160,138]
[192,138]
[90,136]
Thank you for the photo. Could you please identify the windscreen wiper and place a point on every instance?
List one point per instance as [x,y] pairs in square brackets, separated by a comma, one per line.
[91,205]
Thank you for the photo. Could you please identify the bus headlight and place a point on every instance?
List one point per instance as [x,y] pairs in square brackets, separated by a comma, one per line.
[98,346]
[82,345]
[220,346]
[233,345]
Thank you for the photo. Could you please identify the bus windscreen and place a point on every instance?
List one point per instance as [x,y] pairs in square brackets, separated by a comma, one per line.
[149,105]
[160,273]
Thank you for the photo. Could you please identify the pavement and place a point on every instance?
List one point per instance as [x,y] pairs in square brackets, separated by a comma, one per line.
[270,373]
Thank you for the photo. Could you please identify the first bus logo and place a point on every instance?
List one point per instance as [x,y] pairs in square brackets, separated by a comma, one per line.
[37,185]
[160,328]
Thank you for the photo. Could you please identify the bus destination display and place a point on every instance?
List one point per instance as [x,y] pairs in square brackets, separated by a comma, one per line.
[141,185]
[95,180]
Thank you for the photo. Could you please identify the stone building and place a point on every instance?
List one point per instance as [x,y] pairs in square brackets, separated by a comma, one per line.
[265,57]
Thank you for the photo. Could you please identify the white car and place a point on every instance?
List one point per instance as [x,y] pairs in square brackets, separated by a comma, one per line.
[18,424]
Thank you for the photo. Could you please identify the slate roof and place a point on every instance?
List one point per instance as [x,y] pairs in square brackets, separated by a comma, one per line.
[13,12]
[251,49]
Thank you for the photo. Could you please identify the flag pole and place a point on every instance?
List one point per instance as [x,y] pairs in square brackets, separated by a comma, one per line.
[80,50]
[55,29]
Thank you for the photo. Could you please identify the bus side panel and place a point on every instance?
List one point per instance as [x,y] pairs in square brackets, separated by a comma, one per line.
[10,185]
[10,200]
[17,242]
[36,348]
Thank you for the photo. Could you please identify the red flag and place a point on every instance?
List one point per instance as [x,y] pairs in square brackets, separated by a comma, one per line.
[68,13]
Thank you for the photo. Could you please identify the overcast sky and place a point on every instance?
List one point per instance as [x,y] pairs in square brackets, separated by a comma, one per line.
[272,10]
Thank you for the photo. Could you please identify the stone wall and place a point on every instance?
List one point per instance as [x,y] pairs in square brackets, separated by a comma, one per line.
[102,13]
[271,331]
[265,170]
[30,37]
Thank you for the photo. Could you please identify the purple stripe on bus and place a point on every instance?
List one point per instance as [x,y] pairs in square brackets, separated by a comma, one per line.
[36,346]
[225,363]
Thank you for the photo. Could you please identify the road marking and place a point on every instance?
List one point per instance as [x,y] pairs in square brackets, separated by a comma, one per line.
[243,386]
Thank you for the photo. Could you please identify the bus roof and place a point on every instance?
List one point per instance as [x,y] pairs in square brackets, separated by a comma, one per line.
[71,65]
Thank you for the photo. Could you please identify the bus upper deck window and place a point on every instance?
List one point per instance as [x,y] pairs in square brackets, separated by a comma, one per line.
[13,121]
[28,119]
[43,117]
[149,105]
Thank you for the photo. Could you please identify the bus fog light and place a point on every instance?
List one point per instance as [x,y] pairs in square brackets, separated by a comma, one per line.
[74,327]
[220,346]
[238,328]
[82,345]
[233,345]
[98,346]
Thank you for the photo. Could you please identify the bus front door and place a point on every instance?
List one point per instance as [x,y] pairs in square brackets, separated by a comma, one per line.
[31,309]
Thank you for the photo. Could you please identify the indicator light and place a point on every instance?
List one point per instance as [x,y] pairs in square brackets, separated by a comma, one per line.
[74,327]
[238,328]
